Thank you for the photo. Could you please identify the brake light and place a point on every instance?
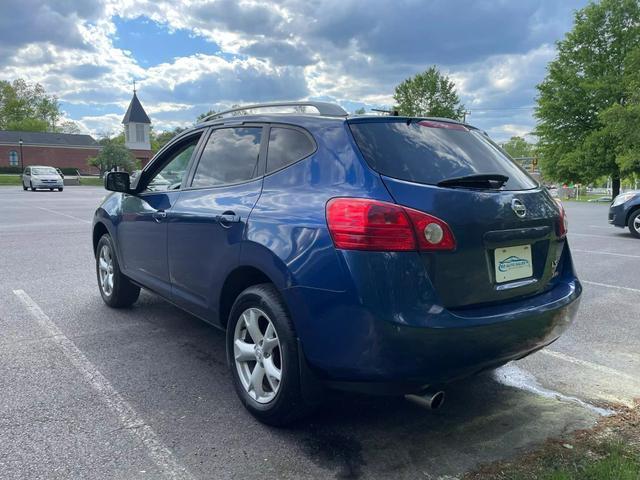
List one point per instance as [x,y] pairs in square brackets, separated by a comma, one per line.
[563,223]
[362,224]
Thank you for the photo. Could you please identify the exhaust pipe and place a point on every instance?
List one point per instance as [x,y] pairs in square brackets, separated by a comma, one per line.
[430,399]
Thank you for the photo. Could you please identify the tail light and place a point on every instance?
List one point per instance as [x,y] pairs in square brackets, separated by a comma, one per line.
[362,224]
[563,223]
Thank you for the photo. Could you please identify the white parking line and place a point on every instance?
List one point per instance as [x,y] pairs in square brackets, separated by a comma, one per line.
[594,366]
[629,289]
[158,452]
[605,253]
[64,214]
[599,236]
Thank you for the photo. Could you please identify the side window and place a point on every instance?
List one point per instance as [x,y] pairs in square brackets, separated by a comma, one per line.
[171,175]
[287,146]
[230,156]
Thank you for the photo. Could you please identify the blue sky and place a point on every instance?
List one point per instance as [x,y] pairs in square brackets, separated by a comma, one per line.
[188,56]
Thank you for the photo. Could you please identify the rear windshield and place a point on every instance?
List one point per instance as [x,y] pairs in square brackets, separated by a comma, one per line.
[428,152]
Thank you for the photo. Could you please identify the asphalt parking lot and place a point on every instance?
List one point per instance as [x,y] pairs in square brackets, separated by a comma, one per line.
[90,392]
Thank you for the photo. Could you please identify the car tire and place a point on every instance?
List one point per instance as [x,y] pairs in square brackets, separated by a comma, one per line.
[116,290]
[634,223]
[24,187]
[60,189]
[51,189]
[275,403]
[31,185]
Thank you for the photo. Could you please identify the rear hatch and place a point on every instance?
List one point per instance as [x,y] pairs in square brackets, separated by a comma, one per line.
[505,225]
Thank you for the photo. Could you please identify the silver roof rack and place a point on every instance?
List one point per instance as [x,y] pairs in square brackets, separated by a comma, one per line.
[325,109]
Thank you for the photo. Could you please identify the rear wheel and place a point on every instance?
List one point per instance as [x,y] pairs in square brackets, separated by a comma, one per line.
[24,187]
[51,189]
[262,351]
[117,290]
[634,224]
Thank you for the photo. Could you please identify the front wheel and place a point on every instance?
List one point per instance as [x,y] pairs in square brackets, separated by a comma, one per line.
[634,224]
[60,189]
[262,351]
[31,185]
[116,290]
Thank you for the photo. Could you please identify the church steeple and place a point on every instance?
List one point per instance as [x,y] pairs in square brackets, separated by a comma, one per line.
[136,125]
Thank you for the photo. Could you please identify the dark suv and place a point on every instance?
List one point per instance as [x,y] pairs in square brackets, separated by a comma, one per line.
[383,254]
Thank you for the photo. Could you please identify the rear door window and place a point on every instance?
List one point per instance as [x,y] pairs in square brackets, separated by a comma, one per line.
[428,152]
[287,146]
[230,156]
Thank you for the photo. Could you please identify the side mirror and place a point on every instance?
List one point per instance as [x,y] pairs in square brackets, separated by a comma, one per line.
[117,182]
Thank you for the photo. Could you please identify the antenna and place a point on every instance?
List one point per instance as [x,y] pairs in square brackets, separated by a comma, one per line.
[134,86]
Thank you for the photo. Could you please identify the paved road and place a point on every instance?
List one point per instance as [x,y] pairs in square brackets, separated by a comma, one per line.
[144,393]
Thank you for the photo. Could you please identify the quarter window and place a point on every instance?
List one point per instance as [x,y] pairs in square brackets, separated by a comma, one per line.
[13,158]
[287,146]
[230,156]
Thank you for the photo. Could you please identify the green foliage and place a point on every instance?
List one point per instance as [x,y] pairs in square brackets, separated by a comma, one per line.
[204,115]
[27,107]
[621,121]
[5,170]
[114,154]
[428,94]
[360,111]
[518,147]
[586,79]
[159,140]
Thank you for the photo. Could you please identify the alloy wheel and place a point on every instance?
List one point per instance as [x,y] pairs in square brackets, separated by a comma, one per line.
[105,269]
[636,224]
[257,355]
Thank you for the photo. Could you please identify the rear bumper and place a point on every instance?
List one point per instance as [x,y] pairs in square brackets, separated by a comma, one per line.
[351,345]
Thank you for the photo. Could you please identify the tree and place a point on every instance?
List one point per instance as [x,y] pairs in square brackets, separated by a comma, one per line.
[68,127]
[621,121]
[429,94]
[159,140]
[518,147]
[586,79]
[114,154]
[202,116]
[360,111]
[27,107]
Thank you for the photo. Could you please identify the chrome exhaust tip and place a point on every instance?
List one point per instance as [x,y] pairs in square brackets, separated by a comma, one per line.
[431,400]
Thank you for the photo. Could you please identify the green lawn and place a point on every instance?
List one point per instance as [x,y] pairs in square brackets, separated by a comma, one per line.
[609,451]
[6,179]
[94,181]
[9,179]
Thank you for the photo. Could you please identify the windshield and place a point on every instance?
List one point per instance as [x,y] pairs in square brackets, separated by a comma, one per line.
[426,151]
[43,171]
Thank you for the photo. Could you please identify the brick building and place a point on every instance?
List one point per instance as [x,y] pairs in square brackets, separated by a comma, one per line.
[65,150]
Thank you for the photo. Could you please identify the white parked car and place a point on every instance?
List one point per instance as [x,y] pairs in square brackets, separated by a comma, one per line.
[41,177]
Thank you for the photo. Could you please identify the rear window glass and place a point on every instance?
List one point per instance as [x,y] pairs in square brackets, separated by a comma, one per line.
[287,146]
[429,152]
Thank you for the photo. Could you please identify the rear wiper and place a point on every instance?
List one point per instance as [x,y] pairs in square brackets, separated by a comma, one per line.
[484,180]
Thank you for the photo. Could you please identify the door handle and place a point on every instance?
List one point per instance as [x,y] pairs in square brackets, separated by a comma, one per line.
[228,217]
[159,215]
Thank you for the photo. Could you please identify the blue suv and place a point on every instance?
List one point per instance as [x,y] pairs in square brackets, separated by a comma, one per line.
[381,254]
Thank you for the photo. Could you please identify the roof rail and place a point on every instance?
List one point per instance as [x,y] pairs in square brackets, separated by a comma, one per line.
[325,109]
